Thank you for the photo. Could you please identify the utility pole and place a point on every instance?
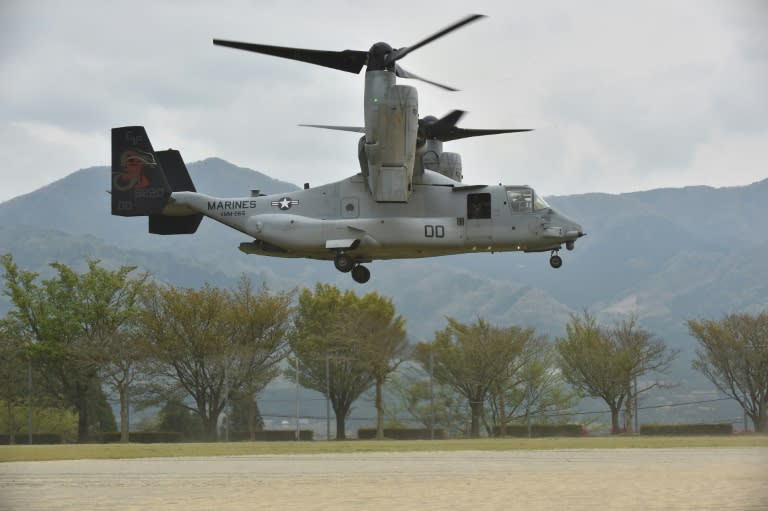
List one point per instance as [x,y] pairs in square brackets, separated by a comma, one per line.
[634,403]
[327,397]
[298,429]
[431,394]
[29,400]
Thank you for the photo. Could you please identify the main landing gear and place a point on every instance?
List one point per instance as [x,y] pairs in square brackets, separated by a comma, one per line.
[555,260]
[345,264]
[361,274]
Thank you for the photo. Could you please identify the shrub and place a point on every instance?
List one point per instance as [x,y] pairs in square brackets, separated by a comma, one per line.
[686,429]
[272,435]
[541,430]
[401,433]
[144,437]
[37,438]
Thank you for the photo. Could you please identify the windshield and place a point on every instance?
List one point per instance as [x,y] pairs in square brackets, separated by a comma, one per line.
[520,199]
[539,202]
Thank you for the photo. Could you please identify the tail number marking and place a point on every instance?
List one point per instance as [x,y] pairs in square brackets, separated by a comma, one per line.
[434,231]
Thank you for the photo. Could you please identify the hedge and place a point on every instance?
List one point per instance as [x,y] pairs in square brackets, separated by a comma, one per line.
[686,429]
[37,438]
[541,430]
[401,433]
[144,437]
[272,435]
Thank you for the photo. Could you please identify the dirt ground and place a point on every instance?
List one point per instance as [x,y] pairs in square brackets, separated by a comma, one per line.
[620,479]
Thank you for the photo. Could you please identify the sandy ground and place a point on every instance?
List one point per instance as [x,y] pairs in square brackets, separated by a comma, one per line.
[621,479]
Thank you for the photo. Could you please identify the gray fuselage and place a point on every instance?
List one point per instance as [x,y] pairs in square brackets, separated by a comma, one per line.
[441,217]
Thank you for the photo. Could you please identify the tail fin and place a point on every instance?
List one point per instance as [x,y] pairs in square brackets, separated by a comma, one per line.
[143,180]
[178,178]
[139,185]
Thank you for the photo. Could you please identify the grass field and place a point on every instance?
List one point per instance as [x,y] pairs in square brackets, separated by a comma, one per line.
[124,451]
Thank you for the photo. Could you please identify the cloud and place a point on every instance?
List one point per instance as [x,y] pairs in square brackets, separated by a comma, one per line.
[618,93]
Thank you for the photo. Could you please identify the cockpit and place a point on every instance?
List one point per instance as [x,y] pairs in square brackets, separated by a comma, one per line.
[522,199]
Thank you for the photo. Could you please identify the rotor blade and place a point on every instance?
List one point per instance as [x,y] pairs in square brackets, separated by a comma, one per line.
[446,122]
[402,73]
[351,61]
[356,129]
[457,133]
[445,129]
[402,52]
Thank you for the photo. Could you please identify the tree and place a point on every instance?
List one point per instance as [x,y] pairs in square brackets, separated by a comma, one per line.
[175,417]
[13,376]
[70,318]
[603,362]
[381,334]
[435,406]
[473,359]
[340,353]
[215,344]
[110,308]
[536,388]
[260,326]
[733,355]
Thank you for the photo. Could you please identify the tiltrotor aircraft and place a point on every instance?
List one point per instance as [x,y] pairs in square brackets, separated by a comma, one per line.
[407,201]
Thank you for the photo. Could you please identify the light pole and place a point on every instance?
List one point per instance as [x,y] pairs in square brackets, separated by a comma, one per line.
[431,394]
[29,400]
[298,430]
[637,420]
[327,397]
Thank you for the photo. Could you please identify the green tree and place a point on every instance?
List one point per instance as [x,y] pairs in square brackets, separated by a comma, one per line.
[13,376]
[111,310]
[260,324]
[69,318]
[603,362]
[382,337]
[214,344]
[535,388]
[334,346]
[245,416]
[175,417]
[733,355]
[474,360]
[438,406]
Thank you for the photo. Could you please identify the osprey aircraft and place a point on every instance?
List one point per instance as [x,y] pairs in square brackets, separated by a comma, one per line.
[407,201]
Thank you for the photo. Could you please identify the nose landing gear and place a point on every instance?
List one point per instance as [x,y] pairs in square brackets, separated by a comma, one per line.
[555,260]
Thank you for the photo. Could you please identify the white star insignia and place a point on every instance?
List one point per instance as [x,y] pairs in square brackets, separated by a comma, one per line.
[284,203]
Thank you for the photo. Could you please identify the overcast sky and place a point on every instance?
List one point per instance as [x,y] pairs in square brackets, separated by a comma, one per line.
[624,95]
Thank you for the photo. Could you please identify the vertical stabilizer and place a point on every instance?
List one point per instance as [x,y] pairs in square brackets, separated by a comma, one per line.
[139,186]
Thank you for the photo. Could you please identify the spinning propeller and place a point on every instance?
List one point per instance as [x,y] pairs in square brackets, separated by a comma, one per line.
[380,57]
[445,129]
[432,128]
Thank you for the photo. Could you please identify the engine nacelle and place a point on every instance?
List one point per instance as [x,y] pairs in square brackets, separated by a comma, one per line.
[392,122]
[433,158]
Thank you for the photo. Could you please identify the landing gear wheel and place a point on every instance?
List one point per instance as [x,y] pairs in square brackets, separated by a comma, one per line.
[343,262]
[361,274]
[555,261]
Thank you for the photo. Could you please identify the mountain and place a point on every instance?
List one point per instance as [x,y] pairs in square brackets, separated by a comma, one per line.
[667,255]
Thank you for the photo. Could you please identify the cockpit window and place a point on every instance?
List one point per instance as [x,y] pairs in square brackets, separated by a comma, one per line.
[520,200]
[540,203]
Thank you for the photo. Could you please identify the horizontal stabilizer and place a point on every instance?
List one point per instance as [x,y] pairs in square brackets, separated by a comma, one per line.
[161,224]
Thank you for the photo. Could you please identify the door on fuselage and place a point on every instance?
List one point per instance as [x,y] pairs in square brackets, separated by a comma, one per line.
[479,225]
